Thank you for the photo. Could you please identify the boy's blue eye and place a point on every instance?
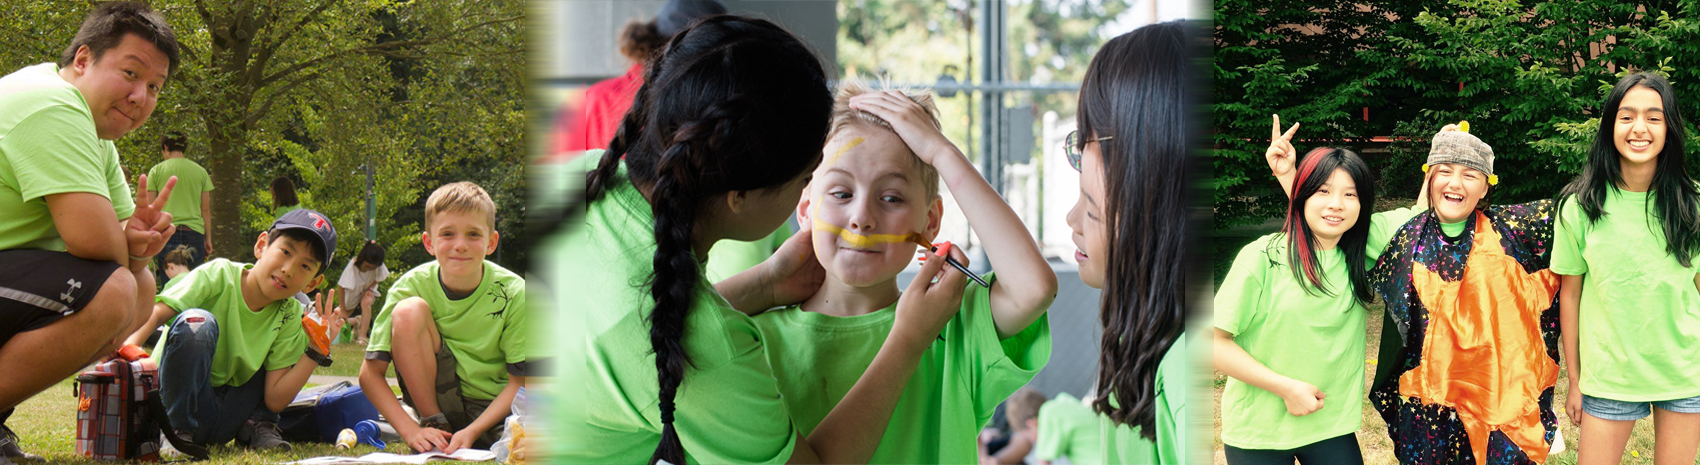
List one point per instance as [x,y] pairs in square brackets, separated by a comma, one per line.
[840,195]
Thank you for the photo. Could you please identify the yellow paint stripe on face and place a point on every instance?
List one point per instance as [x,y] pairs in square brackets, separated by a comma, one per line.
[861,240]
[841,150]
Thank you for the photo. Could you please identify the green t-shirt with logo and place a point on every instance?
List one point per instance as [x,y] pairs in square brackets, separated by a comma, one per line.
[1639,321]
[48,145]
[248,341]
[960,380]
[485,331]
[727,410]
[185,202]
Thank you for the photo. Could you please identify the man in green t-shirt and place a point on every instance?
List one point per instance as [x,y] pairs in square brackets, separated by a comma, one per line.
[191,208]
[236,353]
[74,242]
[455,330]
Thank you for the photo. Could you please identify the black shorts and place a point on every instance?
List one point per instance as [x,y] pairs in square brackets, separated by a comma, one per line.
[38,287]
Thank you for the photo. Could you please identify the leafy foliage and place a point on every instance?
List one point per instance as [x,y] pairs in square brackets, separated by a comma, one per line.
[1529,77]
[425,92]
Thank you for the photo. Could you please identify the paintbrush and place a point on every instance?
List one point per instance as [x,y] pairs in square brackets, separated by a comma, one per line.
[950,261]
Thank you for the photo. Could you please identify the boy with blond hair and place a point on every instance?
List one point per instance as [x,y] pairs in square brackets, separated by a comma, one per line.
[875,193]
[454,328]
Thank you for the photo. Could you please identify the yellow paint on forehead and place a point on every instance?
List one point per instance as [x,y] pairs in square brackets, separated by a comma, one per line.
[846,148]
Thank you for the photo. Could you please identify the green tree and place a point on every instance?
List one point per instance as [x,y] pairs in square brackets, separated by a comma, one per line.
[315,90]
[1528,76]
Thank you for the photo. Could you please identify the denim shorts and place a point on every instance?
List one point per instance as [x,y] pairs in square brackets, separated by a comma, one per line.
[1617,410]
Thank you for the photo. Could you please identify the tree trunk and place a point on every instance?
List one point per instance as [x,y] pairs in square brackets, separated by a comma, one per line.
[226,167]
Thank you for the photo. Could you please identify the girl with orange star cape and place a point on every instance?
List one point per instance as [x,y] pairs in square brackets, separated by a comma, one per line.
[1469,350]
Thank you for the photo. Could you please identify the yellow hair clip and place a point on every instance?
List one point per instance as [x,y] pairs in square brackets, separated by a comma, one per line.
[1464,127]
[1493,180]
[1425,167]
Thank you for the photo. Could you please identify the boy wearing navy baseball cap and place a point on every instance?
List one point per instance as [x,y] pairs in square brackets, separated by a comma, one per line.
[236,353]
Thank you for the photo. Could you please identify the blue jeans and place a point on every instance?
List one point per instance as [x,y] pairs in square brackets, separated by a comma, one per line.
[1617,410]
[211,414]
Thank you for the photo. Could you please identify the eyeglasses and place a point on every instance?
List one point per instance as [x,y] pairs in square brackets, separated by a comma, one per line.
[1073,145]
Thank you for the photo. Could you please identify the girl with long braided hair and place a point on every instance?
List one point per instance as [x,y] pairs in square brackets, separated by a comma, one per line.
[660,364]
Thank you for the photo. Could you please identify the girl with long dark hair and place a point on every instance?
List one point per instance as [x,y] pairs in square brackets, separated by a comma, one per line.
[1625,244]
[1130,225]
[1290,320]
[660,365]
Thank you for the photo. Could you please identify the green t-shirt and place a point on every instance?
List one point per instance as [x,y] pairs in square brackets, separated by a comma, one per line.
[185,202]
[1318,339]
[48,146]
[728,409]
[1640,313]
[1174,384]
[960,380]
[485,331]
[1069,428]
[730,257]
[248,341]
[1453,229]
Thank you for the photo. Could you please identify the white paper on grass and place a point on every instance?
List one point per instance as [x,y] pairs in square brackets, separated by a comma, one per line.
[468,455]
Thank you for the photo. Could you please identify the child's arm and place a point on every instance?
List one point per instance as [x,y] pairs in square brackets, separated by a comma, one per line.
[1282,158]
[1232,360]
[161,313]
[284,383]
[378,391]
[1569,305]
[1025,284]
[494,415]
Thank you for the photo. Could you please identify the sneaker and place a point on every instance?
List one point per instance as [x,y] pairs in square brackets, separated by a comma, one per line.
[262,435]
[9,450]
[167,450]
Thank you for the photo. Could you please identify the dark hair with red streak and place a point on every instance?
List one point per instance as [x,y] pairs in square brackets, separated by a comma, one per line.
[1314,171]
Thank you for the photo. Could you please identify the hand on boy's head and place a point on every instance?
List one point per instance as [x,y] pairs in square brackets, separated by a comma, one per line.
[909,120]
[149,227]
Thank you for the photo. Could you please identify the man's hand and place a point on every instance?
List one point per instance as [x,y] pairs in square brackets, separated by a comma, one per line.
[149,227]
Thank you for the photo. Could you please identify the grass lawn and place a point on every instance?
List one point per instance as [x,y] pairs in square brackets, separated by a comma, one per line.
[47,423]
[1378,449]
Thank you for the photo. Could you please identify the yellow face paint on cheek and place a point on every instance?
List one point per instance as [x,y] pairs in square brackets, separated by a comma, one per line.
[864,240]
